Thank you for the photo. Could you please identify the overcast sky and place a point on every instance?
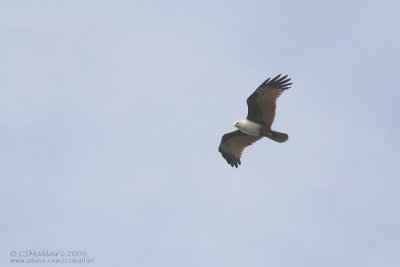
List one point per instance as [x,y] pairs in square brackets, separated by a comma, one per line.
[111,113]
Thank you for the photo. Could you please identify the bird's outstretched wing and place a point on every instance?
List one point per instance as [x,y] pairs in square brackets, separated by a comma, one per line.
[262,103]
[232,145]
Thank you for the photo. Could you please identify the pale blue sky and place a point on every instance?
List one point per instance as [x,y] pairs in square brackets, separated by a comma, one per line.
[111,113]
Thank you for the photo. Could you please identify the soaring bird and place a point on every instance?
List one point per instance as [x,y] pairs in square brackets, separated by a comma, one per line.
[261,113]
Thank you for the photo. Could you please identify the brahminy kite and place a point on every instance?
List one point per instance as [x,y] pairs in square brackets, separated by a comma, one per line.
[261,113]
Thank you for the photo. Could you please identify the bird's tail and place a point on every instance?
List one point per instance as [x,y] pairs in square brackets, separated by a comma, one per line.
[277,136]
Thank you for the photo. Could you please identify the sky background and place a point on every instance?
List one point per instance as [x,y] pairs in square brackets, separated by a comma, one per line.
[111,113]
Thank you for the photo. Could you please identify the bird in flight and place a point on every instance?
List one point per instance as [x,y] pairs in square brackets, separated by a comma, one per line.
[261,113]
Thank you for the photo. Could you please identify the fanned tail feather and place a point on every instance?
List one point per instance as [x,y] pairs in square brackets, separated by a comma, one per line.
[277,136]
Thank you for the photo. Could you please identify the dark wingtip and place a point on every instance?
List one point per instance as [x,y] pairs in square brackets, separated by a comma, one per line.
[276,78]
[278,82]
[230,159]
